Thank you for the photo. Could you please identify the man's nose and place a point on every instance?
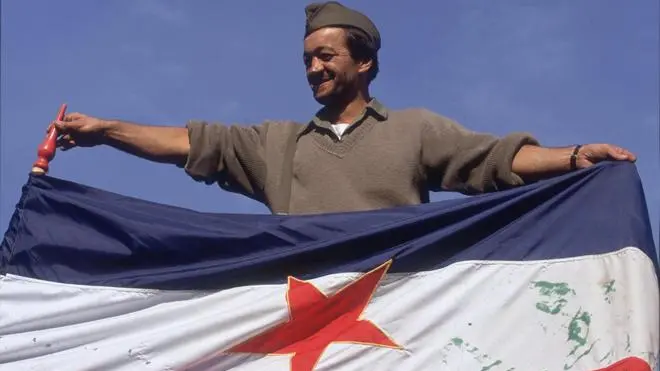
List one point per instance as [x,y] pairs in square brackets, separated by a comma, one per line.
[315,66]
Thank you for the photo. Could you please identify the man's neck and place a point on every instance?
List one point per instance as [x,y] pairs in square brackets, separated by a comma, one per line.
[349,111]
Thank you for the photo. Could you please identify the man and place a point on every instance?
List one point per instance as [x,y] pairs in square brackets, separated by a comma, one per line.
[354,154]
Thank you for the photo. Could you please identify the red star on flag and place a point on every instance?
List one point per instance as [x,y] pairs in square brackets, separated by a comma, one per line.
[316,321]
[628,364]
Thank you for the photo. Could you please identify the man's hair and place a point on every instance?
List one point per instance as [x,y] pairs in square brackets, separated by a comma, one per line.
[361,50]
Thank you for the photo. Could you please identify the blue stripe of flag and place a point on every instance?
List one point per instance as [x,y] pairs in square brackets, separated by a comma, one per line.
[67,232]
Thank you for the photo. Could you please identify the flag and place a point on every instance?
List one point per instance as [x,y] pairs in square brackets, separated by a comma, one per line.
[557,275]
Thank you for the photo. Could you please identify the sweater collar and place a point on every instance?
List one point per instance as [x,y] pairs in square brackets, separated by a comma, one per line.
[374,108]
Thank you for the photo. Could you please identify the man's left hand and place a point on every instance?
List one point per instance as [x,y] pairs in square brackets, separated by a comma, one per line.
[591,154]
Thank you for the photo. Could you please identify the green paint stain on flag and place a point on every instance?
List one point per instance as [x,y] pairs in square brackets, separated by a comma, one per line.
[553,288]
[481,357]
[578,334]
[553,294]
[608,355]
[587,351]
[578,328]
[608,288]
[457,341]
[486,368]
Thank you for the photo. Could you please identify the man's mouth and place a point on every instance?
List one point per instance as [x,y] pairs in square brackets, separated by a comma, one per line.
[321,83]
[317,87]
[318,83]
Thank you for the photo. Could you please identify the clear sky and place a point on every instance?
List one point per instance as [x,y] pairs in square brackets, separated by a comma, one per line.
[567,71]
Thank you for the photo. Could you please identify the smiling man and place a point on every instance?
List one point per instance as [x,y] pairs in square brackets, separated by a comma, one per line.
[354,153]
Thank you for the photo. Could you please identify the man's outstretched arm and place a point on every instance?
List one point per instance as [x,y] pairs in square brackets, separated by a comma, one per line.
[535,163]
[232,156]
[155,143]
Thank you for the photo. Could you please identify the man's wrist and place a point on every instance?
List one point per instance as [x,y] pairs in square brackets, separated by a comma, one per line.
[108,127]
[558,159]
[574,157]
[109,130]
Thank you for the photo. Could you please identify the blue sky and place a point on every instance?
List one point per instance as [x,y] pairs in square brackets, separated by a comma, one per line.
[569,72]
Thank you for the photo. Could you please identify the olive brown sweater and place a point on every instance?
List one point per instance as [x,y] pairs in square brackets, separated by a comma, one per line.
[385,158]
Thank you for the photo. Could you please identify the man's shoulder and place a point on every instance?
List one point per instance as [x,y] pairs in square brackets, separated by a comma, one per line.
[283,125]
[418,114]
[281,128]
[415,111]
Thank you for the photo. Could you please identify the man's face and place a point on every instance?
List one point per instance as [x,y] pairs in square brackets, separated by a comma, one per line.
[332,73]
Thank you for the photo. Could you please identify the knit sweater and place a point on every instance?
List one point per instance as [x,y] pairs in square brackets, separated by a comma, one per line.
[385,158]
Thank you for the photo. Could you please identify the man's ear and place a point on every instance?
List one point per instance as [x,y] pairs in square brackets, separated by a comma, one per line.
[365,66]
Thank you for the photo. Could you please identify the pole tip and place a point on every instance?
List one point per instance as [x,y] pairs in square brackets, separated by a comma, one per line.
[46,150]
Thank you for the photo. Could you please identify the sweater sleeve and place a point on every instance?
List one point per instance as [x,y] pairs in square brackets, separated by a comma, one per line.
[232,156]
[457,159]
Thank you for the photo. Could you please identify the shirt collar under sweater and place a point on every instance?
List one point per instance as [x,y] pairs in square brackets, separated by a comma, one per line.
[374,108]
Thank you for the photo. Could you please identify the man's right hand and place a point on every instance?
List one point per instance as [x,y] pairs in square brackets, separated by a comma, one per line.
[79,130]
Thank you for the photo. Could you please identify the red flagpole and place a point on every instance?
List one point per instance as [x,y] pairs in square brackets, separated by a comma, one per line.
[46,150]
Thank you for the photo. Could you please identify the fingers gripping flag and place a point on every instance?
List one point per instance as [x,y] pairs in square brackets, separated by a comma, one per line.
[558,275]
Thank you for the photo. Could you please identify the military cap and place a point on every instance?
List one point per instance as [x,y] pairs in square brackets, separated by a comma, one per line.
[334,14]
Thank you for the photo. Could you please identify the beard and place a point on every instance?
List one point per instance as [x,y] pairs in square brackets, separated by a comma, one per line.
[326,93]
[330,90]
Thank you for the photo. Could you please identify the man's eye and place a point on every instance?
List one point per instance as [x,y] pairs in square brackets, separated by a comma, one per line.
[323,57]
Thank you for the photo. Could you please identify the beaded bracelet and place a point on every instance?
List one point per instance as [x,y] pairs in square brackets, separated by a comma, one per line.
[574,156]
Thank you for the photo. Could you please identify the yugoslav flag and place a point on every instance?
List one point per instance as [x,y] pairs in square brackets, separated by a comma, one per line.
[558,275]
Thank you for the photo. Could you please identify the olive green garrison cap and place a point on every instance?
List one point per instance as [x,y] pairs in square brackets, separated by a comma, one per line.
[334,14]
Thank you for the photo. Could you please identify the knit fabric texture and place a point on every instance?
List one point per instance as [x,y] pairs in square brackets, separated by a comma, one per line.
[386,158]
